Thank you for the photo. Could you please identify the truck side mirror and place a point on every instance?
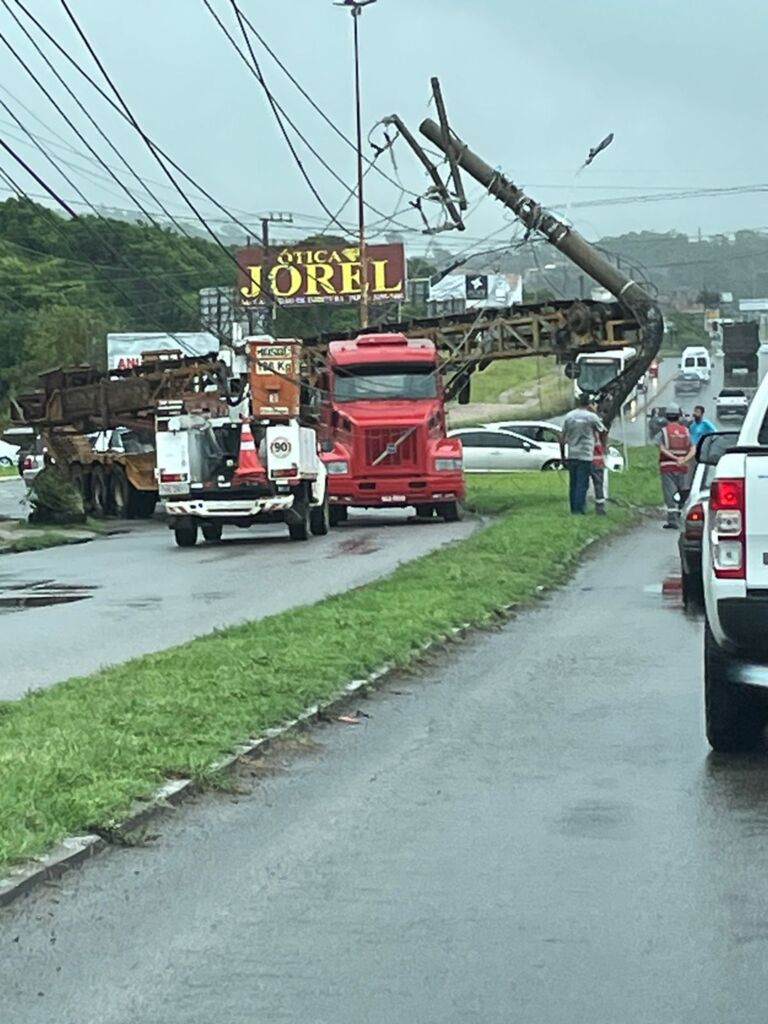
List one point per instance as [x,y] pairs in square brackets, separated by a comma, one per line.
[712,446]
[572,370]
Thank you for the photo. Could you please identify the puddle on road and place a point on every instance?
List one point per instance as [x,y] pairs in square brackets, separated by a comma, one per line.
[40,594]
[355,546]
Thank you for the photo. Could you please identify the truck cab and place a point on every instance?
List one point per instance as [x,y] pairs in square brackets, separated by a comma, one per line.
[735,577]
[383,428]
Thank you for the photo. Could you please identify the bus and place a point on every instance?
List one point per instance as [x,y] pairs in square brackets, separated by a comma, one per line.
[596,369]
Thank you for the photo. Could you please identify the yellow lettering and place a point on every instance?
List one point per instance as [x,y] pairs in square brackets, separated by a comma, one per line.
[322,276]
[252,290]
[294,278]
[286,256]
[321,256]
[334,257]
[350,278]
[380,278]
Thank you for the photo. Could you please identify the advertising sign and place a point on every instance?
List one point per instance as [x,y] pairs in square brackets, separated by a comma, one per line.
[302,275]
[126,349]
[479,291]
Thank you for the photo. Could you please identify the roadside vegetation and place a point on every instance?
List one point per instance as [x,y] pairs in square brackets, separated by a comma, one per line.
[515,388]
[81,753]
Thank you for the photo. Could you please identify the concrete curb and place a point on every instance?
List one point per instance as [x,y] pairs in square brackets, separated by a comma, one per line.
[75,850]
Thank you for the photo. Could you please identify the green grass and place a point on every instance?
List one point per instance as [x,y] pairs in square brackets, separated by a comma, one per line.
[83,752]
[8,471]
[38,537]
[504,375]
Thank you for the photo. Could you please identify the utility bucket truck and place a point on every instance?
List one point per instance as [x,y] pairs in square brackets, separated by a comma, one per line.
[257,464]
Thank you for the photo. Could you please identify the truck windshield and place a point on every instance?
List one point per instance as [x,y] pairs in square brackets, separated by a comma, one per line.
[594,375]
[376,381]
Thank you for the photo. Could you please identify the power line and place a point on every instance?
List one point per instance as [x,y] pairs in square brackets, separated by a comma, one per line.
[153,149]
[115,106]
[256,72]
[307,96]
[81,106]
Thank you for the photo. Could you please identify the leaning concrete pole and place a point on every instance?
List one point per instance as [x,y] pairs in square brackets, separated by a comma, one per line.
[628,292]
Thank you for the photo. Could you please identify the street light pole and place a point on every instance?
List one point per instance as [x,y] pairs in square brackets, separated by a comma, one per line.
[356,8]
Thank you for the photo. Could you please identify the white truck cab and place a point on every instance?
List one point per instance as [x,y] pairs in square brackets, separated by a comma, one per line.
[735,576]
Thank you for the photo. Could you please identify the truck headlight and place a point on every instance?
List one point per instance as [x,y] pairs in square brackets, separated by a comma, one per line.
[337,468]
[452,465]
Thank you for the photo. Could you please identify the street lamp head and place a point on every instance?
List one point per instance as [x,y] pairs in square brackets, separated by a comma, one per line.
[354,5]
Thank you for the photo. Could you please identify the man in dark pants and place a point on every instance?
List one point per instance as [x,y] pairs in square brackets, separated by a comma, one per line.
[581,429]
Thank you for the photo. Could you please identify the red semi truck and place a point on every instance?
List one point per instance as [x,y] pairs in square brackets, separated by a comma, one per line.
[383,428]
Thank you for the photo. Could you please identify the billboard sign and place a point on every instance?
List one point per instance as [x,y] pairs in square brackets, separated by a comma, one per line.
[126,350]
[309,275]
[478,291]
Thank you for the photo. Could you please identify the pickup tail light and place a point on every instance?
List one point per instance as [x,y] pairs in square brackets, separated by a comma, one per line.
[694,521]
[172,478]
[727,507]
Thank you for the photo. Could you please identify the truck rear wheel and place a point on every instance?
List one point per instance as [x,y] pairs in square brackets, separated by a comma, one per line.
[186,536]
[735,714]
[450,511]
[145,504]
[100,497]
[319,518]
[212,533]
[299,517]
[338,514]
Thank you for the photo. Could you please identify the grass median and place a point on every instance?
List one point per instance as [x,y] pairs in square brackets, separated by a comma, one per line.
[81,753]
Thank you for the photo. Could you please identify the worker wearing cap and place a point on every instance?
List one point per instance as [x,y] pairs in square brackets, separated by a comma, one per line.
[582,429]
[675,455]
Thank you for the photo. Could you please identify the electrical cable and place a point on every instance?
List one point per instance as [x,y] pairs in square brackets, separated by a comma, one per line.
[329,121]
[115,106]
[256,72]
[81,106]
[155,152]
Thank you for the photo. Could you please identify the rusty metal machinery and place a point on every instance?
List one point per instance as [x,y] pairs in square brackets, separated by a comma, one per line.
[470,341]
[86,400]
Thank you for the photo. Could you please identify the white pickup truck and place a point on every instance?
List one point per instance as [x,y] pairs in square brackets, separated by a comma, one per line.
[735,576]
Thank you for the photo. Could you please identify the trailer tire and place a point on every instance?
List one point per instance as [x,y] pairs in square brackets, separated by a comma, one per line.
[320,519]
[100,496]
[338,514]
[78,477]
[212,533]
[450,511]
[186,536]
[122,497]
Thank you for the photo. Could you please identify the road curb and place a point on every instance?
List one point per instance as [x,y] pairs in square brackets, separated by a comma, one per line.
[76,850]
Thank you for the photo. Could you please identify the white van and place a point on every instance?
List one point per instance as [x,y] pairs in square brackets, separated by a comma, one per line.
[696,359]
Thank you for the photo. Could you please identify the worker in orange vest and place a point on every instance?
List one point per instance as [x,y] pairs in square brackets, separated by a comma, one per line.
[676,453]
[597,475]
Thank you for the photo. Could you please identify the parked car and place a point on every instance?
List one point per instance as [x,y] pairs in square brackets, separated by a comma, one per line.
[543,432]
[9,454]
[687,383]
[708,452]
[493,450]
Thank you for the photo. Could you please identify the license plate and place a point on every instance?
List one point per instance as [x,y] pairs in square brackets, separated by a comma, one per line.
[393,497]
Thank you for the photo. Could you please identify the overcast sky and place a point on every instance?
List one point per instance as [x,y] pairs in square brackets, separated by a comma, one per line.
[529,86]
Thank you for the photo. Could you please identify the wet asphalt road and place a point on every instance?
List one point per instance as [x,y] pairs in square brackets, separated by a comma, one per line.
[533,831]
[141,593]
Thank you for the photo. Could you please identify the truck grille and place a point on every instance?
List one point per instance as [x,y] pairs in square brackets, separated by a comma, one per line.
[384,448]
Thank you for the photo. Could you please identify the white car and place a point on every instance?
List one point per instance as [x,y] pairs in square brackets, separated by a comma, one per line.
[493,450]
[545,433]
[9,454]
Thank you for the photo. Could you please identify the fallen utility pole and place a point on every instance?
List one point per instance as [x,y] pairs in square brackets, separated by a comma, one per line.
[573,245]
